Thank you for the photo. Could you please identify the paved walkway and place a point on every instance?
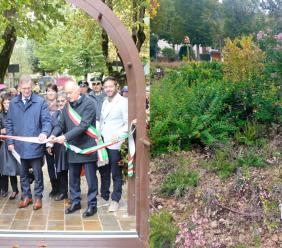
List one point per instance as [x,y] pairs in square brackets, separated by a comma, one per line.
[52,217]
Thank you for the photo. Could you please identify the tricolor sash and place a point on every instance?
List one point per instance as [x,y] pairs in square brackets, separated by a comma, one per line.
[91,132]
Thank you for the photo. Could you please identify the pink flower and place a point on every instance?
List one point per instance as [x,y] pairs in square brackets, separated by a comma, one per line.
[279,37]
[260,35]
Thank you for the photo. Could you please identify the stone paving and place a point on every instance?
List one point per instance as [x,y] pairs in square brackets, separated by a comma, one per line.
[52,217]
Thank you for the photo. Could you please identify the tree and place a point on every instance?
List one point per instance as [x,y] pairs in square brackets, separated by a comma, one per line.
[274,13]
[240,17]
[167,24]
[175,19]
[30,19]
[74,46]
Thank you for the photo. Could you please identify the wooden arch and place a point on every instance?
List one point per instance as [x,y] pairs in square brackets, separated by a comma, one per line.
[138,201]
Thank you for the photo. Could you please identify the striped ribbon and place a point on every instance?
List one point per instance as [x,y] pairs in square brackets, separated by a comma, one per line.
[131,148]
[100,146]
[92,132]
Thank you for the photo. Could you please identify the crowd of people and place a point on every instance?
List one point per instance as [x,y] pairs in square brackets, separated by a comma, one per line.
[75,116]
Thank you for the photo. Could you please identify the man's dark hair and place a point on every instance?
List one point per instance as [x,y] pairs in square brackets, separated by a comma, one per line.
[110,78]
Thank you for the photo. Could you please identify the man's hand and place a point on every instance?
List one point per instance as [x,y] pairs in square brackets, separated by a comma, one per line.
[52,139]
[114,138]
[42,137]
[61,139]
[11,148]
[3,131]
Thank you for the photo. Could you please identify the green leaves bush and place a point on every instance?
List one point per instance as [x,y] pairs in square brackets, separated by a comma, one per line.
[162,230]
[195,104]
[178,182]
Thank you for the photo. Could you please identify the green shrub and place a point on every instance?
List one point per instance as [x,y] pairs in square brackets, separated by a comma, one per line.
[251,159]
[194,104]
[222,163]
[178,182]
[169,53]
[188,106]
[162,230]
[250,134]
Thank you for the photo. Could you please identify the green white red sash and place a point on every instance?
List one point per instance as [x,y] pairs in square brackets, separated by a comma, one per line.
[99,147]
[92,132]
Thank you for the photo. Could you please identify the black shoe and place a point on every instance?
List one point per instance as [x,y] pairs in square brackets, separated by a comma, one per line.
[61,197]
[13,195]
[53,193]
[4,193]
[90,211]
[73,208]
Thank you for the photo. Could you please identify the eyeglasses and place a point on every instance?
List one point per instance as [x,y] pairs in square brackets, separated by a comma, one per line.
[96,83]
[61,101]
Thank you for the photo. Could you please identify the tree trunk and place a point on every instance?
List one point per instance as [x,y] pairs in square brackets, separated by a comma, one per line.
[10,39]
[105,42]
[198,52]
[138,34]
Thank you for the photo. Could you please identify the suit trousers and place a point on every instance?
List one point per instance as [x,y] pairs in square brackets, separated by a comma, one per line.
[116,170]
[3,183]
[36,164]
[91,178]
[63,182]
[50,159]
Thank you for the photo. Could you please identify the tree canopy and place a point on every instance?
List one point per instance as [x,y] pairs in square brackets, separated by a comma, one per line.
[28,18]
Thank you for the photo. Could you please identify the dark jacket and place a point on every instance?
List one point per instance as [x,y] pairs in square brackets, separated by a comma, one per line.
[184,50]
[28,120]
[2,119]
[98,102]
[75,135]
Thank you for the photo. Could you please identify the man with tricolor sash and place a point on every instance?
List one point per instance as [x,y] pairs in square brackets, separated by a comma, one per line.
[113,125]
[76,127]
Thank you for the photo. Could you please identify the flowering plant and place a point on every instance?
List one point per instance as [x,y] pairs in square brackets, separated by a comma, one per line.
[271,43]
[191,235]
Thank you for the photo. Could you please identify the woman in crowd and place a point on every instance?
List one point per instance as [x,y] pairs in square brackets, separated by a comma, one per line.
[61,156]
[51,98]
[7,169]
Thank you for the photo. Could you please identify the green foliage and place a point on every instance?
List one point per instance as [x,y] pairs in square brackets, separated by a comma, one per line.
[31,18]
[188,106]
[241,17]
[240,246]
[223,163]
[250,134]
[251,158]
[177,18]
[162,230]
[81,54]
[169,53]
[226,161]
[178,182]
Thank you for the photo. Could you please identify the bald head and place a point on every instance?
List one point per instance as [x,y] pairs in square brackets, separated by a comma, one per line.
[72,90]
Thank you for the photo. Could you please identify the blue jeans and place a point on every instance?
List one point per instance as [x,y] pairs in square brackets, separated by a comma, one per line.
[36,164]
[116,170]
[92,182]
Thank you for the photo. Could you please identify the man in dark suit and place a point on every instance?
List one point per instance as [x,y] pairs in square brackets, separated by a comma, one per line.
[28,115]
[74,132]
